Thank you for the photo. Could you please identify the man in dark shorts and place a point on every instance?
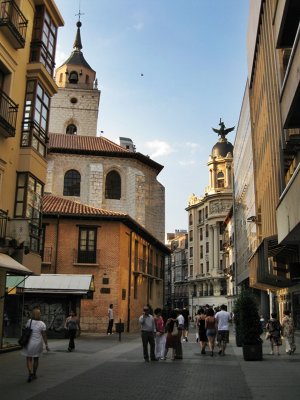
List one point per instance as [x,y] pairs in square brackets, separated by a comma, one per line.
[223,318]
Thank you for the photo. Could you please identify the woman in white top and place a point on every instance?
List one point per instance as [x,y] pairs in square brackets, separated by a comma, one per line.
[34,348]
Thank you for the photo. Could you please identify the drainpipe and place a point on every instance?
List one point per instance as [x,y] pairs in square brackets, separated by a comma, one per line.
[56,244]
[129,282]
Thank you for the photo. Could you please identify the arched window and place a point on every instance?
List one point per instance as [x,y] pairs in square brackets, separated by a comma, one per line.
[60,77]
[113,185]
[220,180]
[87,79]
[71,129]
[73,77]
[72,183]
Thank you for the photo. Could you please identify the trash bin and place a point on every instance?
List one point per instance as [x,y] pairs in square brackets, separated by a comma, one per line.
[119,327]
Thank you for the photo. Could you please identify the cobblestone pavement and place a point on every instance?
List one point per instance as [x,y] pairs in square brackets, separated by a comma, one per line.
[104,368]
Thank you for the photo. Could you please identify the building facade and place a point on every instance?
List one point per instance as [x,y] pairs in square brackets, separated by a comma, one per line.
[125,261]
[176,270]
[206,214]
[28,32]
[273,62]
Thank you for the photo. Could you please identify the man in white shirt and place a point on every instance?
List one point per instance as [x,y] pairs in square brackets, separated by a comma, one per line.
[223,318]
[148,332]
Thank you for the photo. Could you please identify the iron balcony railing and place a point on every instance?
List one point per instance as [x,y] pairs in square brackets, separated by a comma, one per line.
[8,115]
[86,257]
[14,22]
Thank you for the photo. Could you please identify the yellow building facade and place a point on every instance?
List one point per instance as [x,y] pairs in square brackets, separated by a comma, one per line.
[28,32]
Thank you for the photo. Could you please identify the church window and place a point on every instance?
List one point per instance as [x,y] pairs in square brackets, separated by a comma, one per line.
[60,77]
[73,77]
[113,185]
[71,129]
[72,183]
[87,79]
[220,180]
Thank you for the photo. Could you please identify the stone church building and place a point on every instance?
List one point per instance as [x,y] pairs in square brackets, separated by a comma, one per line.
[103,210]
[93,170]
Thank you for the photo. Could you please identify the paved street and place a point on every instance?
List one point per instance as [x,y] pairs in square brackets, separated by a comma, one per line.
[104,368]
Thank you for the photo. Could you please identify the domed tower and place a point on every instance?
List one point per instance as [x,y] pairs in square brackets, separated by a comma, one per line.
[74,109]
[220,162]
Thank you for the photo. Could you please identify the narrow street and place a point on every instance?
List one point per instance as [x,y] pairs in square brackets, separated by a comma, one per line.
[104,368]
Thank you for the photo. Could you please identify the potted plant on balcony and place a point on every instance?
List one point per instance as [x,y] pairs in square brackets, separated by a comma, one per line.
[248,326]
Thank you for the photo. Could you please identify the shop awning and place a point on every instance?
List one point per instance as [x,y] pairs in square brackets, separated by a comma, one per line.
[59,283]
[12,266]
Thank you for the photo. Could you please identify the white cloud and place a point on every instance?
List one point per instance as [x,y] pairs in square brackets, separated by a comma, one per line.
[192,147]
[60,57]
[158,148]
[187,163]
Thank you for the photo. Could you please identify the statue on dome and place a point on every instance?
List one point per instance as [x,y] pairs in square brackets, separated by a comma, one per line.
[222,131]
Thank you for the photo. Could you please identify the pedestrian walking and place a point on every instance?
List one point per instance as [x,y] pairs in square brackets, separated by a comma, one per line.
[274,329]
[211,329]
[110,315]
[288,332]
[186,316]
[223,318]
[148,331]
[160,337]
[180,322]
[202,330]
[172,334]
[71,325]
[34,349]
[196,321]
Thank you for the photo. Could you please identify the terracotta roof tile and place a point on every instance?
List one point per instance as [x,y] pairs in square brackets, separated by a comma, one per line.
[59,205]
[99,146]
[84,143]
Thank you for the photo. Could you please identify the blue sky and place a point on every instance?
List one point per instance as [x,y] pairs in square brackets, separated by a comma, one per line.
[192,54]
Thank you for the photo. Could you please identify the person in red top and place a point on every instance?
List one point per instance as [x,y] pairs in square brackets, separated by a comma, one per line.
[160,338]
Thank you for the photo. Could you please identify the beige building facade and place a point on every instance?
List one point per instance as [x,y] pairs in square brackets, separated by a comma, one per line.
[274,83]
[206,214]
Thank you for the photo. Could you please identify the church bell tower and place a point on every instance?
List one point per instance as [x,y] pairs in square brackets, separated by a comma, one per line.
[74,109]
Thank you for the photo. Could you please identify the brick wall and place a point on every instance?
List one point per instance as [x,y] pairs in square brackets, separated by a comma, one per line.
[113,245]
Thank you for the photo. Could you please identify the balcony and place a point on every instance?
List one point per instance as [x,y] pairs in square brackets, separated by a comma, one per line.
[86,257]
[290,90]
[13,23]
[8,116]
[269,265]
[40,53]
[288,211]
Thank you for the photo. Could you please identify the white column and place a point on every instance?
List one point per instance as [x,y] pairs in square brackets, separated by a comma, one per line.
[216,249]
[211,248]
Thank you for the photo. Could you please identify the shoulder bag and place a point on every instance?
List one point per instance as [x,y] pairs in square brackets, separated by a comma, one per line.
[26,333]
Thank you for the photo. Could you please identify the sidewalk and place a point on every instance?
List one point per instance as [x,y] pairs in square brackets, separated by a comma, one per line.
[104,368]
